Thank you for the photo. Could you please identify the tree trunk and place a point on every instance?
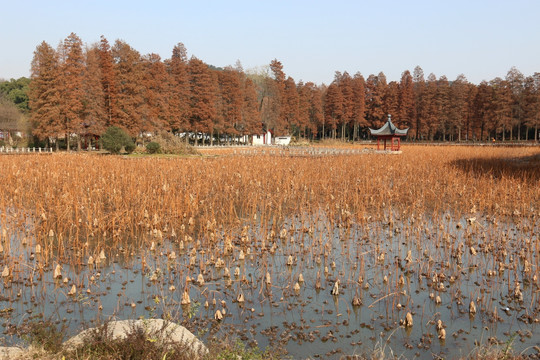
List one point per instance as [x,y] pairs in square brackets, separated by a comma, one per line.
[67,141]
[482,132]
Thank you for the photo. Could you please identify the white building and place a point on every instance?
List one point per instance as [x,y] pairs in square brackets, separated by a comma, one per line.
[282,140]
[263,139]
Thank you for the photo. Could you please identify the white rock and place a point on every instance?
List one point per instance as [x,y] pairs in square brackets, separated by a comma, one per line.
[11,352]
[173,333]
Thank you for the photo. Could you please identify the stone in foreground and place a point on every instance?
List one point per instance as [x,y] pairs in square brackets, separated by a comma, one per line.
[174,333]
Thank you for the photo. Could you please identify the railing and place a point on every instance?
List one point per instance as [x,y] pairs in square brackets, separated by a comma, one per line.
[307,151]
[28,150]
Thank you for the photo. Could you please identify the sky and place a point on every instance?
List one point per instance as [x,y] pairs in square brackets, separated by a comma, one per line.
[481,39]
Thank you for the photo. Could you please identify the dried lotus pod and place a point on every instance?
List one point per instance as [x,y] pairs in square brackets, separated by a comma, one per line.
[185,298]
[58,272]
[335,289]
[240,298]
[441,334]
[200,279]
[472,308]
[6,272]
[408,320]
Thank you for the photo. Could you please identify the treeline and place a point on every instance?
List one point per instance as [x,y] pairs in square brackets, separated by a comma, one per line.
[77,89]
[13,108]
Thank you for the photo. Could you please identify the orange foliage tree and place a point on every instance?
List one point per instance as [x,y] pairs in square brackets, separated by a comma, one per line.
[75,93]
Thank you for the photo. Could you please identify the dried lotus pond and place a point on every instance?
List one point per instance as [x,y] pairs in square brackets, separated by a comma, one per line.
[434,251]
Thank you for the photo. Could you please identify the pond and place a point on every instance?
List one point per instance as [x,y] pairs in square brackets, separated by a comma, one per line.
[275,285]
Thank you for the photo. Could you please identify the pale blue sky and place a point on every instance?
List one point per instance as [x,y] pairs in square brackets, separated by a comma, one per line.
[313,39]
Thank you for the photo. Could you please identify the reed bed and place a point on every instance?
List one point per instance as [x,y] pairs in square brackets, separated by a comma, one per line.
[406,244]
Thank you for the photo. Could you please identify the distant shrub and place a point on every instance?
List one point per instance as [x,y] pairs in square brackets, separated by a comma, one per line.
[153,147]
[171,144]
[115,139]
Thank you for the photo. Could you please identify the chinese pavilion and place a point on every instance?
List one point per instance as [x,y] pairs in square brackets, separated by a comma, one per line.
[389,132]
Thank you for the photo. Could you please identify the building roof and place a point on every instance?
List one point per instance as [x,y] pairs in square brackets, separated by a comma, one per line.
[389,129]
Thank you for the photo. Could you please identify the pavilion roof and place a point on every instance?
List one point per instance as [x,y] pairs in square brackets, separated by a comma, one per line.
[389,129]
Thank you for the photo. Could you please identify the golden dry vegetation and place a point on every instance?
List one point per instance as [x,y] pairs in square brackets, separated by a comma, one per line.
[433,220]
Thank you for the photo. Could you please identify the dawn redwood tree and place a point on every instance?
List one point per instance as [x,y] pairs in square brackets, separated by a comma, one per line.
[129,88]
[516,81]
[420,119]
[269,99]
[345,83]
[359,104]
[375,90]
[482,105]
[391,102]
[407,113]
[279,103]
[531,100]
[155,81]
[458,109]
[72,91]
[442,103]
[303,108]
[44,93]
[432,109]
[95,112]
[203,98]
[179,100]
[501,109]
[289,107]
[316,109]
[232,100]
[108,82]
[251,118]
[333,109]
[472,90]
